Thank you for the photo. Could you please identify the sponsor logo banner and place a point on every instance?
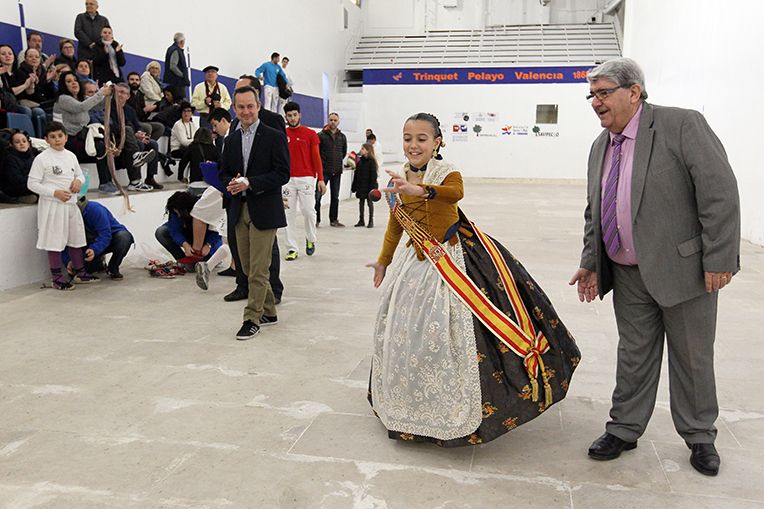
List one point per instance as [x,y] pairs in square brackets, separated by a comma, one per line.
[476,75]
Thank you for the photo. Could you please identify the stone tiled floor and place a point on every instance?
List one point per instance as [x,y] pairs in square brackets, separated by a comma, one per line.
[136,395]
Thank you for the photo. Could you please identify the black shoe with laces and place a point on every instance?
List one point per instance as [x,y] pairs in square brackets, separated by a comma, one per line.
[249,329]
[705,458]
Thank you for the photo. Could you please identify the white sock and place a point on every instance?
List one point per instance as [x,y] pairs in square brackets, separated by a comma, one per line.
[218,256]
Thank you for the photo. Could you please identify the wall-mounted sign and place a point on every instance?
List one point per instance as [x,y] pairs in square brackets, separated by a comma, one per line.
[475,75]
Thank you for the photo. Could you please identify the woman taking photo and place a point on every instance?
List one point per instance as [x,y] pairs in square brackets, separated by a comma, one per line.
[466,344]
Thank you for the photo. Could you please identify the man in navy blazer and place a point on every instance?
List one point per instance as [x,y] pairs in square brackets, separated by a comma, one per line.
[254,166]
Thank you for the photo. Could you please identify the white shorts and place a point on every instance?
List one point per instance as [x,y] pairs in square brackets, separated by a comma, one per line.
[209,209]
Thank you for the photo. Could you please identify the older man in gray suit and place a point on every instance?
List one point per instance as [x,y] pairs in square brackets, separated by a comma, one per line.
[663,232]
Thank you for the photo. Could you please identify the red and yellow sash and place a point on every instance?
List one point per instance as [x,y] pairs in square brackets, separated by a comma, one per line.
[521,337]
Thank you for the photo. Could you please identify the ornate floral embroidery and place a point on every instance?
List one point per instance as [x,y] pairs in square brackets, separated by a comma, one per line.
[499,376]
[554,323]
[488,409]
[538,313]
[574,361]
[503,348]
[474,439]
[406,436]
[510,423]
[530,284]
[564,385]
[525,393]
[500,284]
[480,357]
[542,407]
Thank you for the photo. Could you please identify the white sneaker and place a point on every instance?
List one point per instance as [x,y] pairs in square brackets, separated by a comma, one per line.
[202,275]
[140,187]
[140,158]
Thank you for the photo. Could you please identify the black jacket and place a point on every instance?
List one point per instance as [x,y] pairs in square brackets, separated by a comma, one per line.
[267,171]
[364,177]
[13,177]
[332,150]
[44,92]
[196,154]
[101,69]
[87,30]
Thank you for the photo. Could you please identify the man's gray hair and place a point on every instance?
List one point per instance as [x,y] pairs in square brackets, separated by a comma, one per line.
[624,72]
[178,36]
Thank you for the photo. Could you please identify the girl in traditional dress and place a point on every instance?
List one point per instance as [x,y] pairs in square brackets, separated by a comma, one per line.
[56,177]
[466,345]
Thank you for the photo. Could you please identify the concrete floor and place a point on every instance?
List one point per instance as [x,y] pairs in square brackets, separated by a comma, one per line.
[136,395]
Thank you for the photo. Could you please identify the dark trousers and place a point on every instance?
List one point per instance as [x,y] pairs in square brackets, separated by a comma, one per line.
[133,145]
[333,182]
[118,247]
[162,234]
[76,145]
[241,278]
[361,203]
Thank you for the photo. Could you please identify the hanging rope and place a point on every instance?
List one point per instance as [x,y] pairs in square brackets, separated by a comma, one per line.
[113,149]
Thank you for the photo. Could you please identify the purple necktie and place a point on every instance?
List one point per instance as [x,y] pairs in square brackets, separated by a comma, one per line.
[609,198]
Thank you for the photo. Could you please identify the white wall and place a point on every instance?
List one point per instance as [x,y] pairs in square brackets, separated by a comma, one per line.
[698,55]
[410,17]
[235,35]
[564,156]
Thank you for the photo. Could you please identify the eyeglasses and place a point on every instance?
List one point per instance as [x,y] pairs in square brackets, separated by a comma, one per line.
[602,94]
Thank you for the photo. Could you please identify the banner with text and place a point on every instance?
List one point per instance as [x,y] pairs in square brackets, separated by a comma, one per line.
[475,75]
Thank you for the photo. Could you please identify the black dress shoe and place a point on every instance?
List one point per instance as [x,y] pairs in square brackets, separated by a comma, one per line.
[235,295]
[704,458]
[609,447]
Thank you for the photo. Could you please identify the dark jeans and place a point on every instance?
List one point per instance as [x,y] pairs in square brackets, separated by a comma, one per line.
[132,145]
[162,234]
[333,183]
[76,145]
[361,203]
[118,247]
[242,282]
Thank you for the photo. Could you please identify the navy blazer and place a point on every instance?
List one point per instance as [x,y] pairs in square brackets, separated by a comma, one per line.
[267,171]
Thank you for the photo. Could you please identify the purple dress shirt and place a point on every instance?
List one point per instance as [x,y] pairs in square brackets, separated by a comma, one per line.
[626,254]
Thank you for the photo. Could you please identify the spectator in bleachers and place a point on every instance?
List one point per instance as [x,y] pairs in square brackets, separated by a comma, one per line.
[56,177]
[137,101]
[104,235]
[87,29]
[210,94]
[66,54]
[16,165]
[268,71]
[34,41]
[8,101]
[182,133]
[139,147]
[75,116]
[176,67]
[37,93]
[150,84]
[176,235]
[58,70]
[84,70]
[108,58]
[200,150]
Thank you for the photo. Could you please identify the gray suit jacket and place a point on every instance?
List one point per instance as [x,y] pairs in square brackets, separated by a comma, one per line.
[685,206]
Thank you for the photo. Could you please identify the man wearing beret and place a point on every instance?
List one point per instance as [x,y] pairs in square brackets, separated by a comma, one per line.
[210,94]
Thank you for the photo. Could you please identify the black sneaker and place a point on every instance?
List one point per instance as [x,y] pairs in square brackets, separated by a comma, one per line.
[249,329]
[266,320]
[235,295]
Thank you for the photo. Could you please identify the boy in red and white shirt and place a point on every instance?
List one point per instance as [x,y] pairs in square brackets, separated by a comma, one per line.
[305,171]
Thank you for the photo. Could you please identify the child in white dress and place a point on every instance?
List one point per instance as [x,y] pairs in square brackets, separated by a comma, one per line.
[56,177]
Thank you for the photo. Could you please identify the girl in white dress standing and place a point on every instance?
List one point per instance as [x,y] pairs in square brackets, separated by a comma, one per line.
[56,177]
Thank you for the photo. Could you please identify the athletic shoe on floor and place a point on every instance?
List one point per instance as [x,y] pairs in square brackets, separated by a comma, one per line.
[202,275]
[291,255]
[249,330]
[310,247]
